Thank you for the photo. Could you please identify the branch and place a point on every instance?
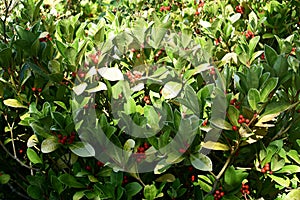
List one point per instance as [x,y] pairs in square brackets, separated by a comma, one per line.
[17,159]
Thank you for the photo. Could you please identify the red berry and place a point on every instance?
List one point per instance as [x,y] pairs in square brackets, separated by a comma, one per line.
[263,170]
[182,150]
[73,74]
[271,172]
[232,102]
[59,136]
[262,56]
[235,128]
[81,74]
[241,116]
[100,164]
[240,121]
[217,192]
[40,90]
[21,151]
[197,13]
[247,121]
[222,194]
[298,111]
[193,178]
[138,55]
[33,89]
[88,168]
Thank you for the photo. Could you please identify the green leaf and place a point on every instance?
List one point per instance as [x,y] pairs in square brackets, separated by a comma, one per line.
[171,89]
[294,155]
[205,183]
[253,98]
[233,115]
[33,156]
[35,192]
[101,86]
[79,195]
[13,103]
[61,104]
[129,145]
[132,189]
[290,169]
[49,145]
[233,178]
[166,178]
[56,184]
[281,181]
[215,146]
[267,88]
[271,55]
[39,130]
[221,124]
[70,181]
[252,45]
[201,162]
[277,163]
[4,178]
[235,17]
[111,74]
[150,192]
[82,150]
[293,195]
[79,89]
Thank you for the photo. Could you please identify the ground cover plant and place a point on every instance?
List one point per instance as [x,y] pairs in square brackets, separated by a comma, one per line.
[149,99]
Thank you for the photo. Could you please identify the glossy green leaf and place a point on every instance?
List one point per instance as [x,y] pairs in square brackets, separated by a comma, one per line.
[13,103]
[82,150]
[253,98]
[49,145]
[70,181]
[201,162]
[33,156]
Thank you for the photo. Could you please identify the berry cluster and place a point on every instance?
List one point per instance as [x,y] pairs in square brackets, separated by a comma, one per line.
[243,120]
[140,154]
[34,89]
[125,180]
[146,99]
[165,8]
[240,9]
[133,77]
[45,39]
[218,194]
[266,169]
[245,189]
[65,139]
[249,34]
[235,103]
[212,71]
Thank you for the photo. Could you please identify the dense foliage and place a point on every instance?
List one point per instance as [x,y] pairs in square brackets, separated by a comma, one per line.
[61,60]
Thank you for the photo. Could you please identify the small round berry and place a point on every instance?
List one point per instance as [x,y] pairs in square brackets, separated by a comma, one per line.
[33,89]
[138,55]
[263,170]
[182,150]
[39,90]
[235,128]
[88,168]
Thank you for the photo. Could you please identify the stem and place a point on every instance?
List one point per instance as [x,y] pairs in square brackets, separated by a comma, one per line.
[15,158]
[233,151]
[11,135]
